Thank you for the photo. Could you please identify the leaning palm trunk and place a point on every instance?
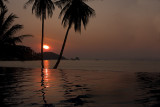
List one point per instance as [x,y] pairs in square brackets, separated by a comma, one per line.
[61,53]
[75,12]
[42,63]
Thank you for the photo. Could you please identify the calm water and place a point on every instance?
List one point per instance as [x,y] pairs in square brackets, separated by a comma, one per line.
[80,83]
[97,65]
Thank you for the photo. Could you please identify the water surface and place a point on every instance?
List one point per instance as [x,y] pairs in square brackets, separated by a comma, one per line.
[97,65]
[100,84]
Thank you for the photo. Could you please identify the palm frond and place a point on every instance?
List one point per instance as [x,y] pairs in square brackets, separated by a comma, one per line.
[14,29]
[24,36]
[2,3]
[28,3]
[41,7]
[7,23]
[75,13]
[50,7]
[8,31]
[14,40]
[2,15]
[20,38]
[61,3]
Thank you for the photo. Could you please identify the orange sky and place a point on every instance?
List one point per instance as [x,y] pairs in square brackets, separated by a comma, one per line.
[122,29]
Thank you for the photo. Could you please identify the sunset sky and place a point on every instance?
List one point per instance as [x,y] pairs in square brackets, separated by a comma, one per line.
[121,29]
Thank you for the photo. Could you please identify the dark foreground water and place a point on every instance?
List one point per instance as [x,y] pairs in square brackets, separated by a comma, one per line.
[23,87]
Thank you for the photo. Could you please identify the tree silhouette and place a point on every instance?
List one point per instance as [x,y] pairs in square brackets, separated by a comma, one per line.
[8,37]
[2,3]
[7,31]
[41,8]
[75,12]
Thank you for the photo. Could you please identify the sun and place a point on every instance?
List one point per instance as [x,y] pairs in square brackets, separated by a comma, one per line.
[45,46]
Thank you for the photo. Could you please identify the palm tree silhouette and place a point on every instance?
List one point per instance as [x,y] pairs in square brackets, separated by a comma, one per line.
[41,8]
[7,30]
[75,12]
[2,3]
[8,37]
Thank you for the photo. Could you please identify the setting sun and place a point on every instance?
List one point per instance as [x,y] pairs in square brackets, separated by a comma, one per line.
[45,46]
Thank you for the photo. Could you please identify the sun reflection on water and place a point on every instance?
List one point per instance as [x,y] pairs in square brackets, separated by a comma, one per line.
[46,63]
[46,77]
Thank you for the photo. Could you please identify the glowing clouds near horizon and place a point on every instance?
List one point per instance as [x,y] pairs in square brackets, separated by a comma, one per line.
[46,47]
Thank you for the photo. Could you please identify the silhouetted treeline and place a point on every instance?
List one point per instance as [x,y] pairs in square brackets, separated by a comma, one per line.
[9,50]
[17,52]
[23,53]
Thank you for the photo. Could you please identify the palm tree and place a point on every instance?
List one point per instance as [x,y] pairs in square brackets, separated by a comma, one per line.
[2,3]
[75,12]
[8,40]
[41,8]
[7,31]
